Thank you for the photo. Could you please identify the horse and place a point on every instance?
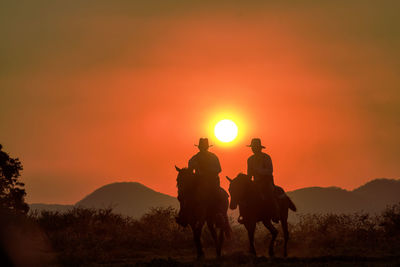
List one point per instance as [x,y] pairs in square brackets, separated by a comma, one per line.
[244,193]
[200,211]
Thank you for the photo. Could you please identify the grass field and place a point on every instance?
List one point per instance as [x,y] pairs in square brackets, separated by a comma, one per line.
[88,237]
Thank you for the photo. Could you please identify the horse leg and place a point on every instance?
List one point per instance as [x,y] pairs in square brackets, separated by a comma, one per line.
[285,235]
[221,240]
[251,227]
[197,228]
[274,233]
[215,237]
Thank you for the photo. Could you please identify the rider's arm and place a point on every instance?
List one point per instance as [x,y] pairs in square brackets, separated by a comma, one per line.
[192,164]
[266,167]
[217,165]
[250,168]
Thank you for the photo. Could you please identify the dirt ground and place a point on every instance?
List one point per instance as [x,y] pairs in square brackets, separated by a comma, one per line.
[244,259]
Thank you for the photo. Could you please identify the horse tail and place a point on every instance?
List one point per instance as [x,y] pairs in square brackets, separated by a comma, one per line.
[292,206]
[282,195]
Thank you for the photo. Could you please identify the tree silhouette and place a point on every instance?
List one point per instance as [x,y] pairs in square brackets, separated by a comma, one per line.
[12,192]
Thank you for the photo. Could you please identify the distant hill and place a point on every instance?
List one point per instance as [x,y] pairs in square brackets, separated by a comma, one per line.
[379,192]
[128,198]
[372,197]
[135,199]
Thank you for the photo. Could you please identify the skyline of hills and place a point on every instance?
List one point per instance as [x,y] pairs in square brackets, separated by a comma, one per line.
[135,199]
[131,198]
[371,197]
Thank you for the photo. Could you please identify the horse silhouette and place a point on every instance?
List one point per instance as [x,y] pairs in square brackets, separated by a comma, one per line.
[244,193]
[199,210]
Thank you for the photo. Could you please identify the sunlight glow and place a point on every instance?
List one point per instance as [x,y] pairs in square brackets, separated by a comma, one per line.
[226,131]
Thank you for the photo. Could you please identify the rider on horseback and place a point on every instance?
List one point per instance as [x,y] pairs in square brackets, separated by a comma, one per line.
[259,166]
[206,166]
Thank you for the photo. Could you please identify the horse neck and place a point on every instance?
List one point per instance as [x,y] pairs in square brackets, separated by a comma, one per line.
[249,193]
[187,184]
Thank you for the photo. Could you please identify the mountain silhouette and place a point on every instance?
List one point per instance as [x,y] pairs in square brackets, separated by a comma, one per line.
[371,197]
[128,198]
[135,199]
[388,188]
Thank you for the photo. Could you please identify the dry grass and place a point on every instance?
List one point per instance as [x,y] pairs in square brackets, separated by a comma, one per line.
[91,237]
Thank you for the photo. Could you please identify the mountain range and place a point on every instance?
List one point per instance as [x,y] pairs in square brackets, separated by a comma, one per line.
[371,197]
[135,199]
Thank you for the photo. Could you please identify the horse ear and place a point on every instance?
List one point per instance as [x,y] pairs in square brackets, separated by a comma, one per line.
[229,179]
[177,169]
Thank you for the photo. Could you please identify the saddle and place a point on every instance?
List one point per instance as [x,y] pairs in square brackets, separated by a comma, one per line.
[213,201]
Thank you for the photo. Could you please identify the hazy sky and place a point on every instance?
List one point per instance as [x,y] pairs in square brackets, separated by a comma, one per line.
[93,92]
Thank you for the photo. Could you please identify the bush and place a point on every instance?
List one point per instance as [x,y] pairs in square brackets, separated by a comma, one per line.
[88,235]
[12,191]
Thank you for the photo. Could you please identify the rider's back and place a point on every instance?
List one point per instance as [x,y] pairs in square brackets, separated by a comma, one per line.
[207,167]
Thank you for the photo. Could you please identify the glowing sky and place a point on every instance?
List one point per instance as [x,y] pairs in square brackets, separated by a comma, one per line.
[103,91]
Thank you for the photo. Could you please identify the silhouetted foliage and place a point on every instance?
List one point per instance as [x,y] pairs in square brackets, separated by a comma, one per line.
[391,220]
[99,236]
[356,234]
[12,192]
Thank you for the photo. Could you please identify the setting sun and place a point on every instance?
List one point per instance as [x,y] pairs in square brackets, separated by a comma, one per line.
[226,131]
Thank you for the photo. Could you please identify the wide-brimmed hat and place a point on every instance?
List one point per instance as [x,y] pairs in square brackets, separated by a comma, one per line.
[203,142]
[256,142]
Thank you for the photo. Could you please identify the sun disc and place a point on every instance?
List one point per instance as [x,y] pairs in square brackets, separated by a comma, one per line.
[226,131]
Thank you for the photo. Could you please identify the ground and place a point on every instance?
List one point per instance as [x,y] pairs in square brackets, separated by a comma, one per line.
[244,259]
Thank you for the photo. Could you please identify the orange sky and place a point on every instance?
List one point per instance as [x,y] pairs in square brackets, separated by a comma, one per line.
[97,93]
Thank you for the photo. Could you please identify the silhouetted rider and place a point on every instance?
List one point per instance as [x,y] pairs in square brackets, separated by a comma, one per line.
[259,166]
[206,166]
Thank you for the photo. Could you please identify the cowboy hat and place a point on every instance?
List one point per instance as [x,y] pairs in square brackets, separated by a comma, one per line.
[203,142]
[256,142]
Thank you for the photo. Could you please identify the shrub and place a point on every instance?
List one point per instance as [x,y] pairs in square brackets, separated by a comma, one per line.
[88,235]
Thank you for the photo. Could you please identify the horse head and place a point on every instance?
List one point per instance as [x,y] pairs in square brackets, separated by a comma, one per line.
[184,180]
[237,188]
